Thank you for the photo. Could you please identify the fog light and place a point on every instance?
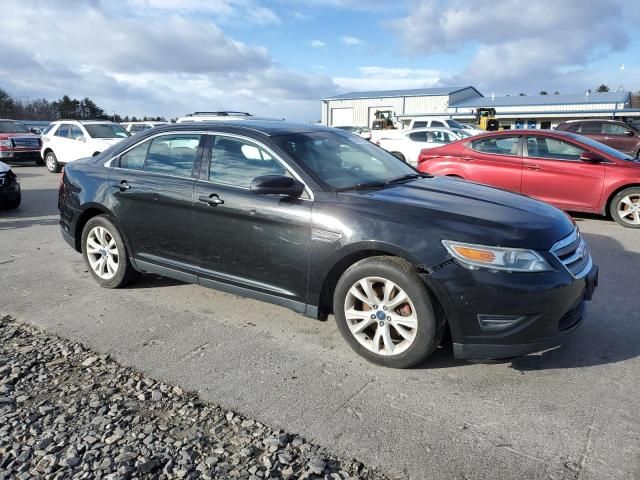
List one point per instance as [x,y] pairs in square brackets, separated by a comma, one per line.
[500,322]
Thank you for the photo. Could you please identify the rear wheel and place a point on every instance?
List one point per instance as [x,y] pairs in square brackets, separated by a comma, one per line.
[105,253]
[625,207]
[384,312]
[51,162]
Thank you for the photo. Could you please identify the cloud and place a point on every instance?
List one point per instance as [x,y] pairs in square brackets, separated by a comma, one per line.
[352,41]
[382,78]
[518,42]
[318,44]
[149,63]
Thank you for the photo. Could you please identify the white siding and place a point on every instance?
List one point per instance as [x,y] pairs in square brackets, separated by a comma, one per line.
[426,104]
[361,107]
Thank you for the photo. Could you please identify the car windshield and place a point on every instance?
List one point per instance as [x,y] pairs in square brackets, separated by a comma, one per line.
[601,146]
[454,124]
[106,130]
[342,160]
[12,127]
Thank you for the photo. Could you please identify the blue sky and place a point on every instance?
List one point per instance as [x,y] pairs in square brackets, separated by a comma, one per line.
[280,57]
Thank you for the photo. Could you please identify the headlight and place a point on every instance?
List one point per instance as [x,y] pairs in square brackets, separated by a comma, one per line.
[497,258]
[5,143]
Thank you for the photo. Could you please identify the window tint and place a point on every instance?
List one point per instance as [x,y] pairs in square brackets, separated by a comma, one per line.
[552,148]
[419,124]
[76,132]
[614,129]
[436,123]
[442,137]
[237,162]
[106,130]
[594,128]
[134,158]
[419,136]
[499,145]
[173,154]
[454,124]
[574,127]
[140,128]
[63,130]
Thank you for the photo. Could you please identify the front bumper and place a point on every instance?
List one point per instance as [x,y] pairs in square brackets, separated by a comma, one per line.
[9,193]
[548,306]
[20,155]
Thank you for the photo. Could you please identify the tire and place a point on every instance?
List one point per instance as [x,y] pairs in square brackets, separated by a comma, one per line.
[625,207]
[14,202]
[51,162]
[116,271]
[40,162]
[370,337]
[399,156]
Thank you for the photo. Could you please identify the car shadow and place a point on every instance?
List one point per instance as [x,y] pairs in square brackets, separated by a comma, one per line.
[38,207]
[610,331]
[149,280]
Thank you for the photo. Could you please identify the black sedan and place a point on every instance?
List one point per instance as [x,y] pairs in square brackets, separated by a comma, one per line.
[324,222]
[10,195]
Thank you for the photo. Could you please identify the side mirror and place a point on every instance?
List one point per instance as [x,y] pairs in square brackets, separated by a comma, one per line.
[629,133]
[80,138]
[591,157]
[277,185]
[34,130]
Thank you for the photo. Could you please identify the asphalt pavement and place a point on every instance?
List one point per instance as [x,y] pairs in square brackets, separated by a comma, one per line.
[563,414]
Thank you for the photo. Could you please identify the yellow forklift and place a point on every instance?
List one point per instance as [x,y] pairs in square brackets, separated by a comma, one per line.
[486,119]
[383,121]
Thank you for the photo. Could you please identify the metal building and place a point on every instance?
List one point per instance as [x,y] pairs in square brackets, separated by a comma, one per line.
[359,108]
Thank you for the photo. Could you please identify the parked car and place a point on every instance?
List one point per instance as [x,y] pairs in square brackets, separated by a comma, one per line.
[69,140]
[616,134]
[224,116]
[18,143]
[570,171]
[326,223]
[364,132]
[10,195]
[407,145]
[137,127]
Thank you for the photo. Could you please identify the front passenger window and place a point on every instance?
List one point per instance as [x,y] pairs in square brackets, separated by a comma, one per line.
[237,162]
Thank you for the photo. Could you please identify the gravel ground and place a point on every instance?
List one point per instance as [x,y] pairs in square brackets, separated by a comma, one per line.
[67,412]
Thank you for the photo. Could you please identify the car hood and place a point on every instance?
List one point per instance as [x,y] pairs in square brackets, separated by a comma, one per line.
[474,213]
[4,168]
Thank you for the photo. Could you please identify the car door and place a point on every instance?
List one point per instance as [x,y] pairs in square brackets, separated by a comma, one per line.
[64,147]
[495,161]
[152,199]
[255,242]
[620,137]
[414,143]
[78,147]
[553,172]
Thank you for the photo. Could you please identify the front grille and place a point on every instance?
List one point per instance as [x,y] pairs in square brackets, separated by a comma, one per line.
[572,317]
[573,253]
[25,142]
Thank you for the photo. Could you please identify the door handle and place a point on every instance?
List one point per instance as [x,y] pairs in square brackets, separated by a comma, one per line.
[123,185]
[534,167]
[212,200]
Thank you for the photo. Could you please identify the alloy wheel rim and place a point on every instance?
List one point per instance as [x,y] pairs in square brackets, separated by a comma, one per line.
[629,209]
[381,316]
[51,164]
[102,253]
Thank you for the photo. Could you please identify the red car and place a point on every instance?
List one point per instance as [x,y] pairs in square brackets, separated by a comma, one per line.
[570,171]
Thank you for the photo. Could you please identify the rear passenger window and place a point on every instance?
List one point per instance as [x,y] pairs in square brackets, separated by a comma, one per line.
[173,154]
[497,146]
[419,136]
[134,158]
[419,124]
[237,162]
[436,123]
[63,131]
[594,128]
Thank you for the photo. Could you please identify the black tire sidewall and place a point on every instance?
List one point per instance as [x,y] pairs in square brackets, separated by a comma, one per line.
[613,207]
[404,276]
[124,272]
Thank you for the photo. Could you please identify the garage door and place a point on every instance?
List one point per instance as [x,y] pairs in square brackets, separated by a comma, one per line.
[341,117]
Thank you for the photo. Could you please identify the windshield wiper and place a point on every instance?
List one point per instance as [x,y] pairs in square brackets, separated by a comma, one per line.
[410,176]
[362,186]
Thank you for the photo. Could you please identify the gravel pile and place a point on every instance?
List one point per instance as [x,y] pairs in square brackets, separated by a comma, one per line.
[67,412]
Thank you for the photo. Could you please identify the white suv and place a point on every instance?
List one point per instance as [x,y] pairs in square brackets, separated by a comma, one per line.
[69,140]
[137,127]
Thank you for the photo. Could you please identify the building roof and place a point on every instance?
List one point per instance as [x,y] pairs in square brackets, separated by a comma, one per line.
[414,92]
[527,101]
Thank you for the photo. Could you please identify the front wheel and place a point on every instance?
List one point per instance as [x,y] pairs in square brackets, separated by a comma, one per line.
[51,162]
[625,207]
[14,202]
[385,313]
[105,253]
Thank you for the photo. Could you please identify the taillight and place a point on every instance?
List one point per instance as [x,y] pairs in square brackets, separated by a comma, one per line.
[424,156]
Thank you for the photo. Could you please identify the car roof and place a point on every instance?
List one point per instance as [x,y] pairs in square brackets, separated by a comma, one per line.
[82,122]
[266,127]
[432,129]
